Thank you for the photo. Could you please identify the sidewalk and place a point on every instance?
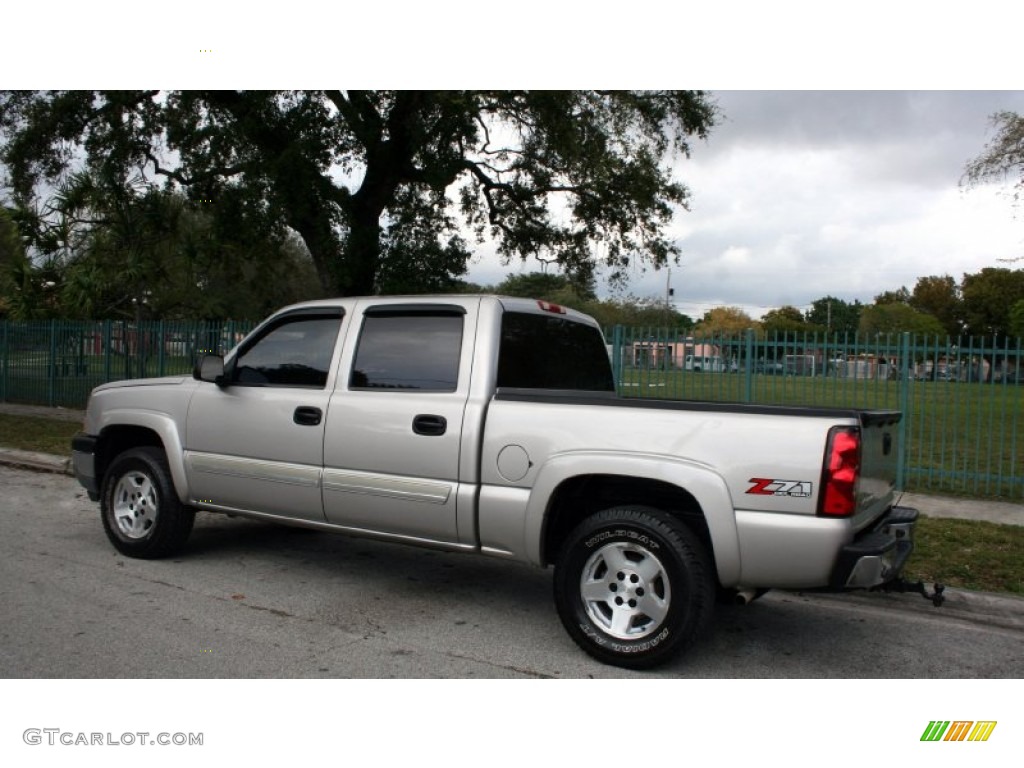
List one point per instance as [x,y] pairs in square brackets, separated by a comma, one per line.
[1005,512]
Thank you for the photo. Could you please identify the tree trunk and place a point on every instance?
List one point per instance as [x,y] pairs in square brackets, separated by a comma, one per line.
[362,252]
[325,248]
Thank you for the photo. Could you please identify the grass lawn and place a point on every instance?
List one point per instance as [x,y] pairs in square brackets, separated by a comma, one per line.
[968,554]
[31,433]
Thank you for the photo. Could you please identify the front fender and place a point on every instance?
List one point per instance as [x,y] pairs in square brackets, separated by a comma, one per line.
[701,482]
[165,428]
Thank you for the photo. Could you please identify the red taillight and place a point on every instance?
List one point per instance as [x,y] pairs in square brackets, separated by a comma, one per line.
[547,306]
[839,477]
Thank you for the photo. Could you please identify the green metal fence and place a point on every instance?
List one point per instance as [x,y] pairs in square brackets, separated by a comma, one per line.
[962,399]
[58,362]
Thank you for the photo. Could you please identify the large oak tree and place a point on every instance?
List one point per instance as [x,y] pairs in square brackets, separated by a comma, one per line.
[1003,157]
[384,185]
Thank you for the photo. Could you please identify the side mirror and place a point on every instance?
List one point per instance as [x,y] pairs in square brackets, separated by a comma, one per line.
[210,368]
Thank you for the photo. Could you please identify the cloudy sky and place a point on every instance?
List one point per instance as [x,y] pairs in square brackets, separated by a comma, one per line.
[798,194]
[795,194]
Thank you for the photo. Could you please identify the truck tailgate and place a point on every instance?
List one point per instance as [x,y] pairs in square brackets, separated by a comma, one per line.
[880,448]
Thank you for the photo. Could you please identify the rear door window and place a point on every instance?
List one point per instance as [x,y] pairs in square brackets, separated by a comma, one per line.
[409,350]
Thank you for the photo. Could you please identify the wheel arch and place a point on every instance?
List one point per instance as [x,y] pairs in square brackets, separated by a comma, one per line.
[126,431]
[572,487]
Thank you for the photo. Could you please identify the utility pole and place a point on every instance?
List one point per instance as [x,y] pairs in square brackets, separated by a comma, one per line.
[668,293]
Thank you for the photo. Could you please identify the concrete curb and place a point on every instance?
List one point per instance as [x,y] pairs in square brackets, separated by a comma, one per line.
[40,462]
[991,609]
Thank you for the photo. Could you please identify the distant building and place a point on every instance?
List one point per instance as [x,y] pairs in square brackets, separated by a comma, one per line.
[667,354]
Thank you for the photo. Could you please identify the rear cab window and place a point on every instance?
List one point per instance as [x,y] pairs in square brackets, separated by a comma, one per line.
[550,351]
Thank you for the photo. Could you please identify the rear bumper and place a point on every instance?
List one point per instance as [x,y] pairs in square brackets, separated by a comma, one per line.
[876,555]
[83,460]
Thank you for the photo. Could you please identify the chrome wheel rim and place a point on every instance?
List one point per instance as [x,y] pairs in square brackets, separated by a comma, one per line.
[625,590]
[135,505]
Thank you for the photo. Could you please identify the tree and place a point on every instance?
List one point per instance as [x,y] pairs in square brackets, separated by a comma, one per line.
[899,296]
[1017,320]
[939,296]
[637,313]
[12,254]
[108,239]
[1003,156]
[136,251]
[1002,159]
[726,321]
[835,315]
[786,320]
[896,317]
[370,179]
[987,298]
[537,285]
[11,246]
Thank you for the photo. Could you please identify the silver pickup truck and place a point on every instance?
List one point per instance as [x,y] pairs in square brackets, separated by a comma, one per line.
[491,425]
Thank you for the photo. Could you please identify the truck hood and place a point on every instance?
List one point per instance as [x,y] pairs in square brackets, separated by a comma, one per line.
[135,401]
[143,382]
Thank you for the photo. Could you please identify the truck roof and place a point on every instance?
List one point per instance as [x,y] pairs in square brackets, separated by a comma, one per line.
[509,303]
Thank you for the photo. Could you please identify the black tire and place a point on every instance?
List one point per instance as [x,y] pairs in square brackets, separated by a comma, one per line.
[731,597]
[651,586]
[141,512]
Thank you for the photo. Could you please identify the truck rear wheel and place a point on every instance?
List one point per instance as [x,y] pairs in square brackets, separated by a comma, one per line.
[141,512]
[633,586]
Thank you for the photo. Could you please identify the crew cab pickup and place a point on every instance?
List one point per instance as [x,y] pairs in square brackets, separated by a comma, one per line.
[491,425]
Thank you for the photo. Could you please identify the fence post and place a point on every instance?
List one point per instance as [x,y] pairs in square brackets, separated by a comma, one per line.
[126,349]
[6,358]
[617,356]
[161,343]
[52,377]
[748,372]
[106,351]
[905,383]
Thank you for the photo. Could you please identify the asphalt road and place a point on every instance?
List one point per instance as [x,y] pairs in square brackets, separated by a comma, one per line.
[252,599]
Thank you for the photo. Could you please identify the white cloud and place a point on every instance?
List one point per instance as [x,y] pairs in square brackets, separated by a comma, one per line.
[801,195]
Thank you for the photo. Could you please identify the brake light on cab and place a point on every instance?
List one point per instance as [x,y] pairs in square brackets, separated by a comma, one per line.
[840,474]
[548,306]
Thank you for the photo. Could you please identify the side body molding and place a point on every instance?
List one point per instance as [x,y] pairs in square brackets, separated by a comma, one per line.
[706,486]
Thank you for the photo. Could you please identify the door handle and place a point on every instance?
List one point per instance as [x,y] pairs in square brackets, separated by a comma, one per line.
[429,425]
[307,415]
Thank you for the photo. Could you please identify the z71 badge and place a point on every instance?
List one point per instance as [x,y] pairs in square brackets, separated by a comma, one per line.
[763,486]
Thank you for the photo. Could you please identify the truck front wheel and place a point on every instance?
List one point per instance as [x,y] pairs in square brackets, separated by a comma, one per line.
[633,586]
[141,512]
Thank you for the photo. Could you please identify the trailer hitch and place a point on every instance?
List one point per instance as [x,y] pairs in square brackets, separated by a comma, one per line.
[900,584]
